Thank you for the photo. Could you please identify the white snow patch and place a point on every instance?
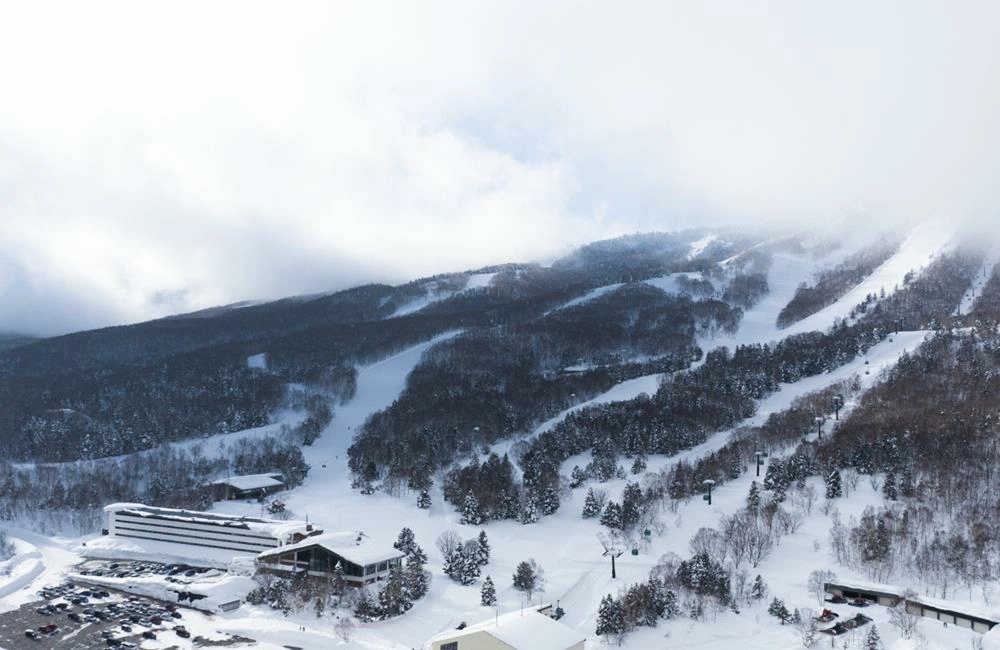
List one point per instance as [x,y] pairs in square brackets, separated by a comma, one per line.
[698,247]
[258,361]
[431,296]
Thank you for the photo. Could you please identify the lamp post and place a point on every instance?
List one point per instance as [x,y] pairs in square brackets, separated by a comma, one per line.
[708,483]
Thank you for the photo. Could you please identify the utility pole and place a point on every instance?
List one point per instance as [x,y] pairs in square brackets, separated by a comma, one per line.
[708,483]
[759,456]
[838,403]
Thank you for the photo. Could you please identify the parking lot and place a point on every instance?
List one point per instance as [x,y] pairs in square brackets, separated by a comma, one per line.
[77,617]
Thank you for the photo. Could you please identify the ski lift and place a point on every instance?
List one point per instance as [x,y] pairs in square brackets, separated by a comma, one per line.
[635,551]
[647,533]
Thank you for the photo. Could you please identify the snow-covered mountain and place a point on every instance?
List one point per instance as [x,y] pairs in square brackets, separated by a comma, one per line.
[565,409]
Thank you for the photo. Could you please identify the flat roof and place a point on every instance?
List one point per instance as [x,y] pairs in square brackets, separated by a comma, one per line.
[355,547]
[277,529]
[523,630]
[250,481]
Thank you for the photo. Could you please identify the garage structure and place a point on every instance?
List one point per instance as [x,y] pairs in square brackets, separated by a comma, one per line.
[963,615]
[528,629]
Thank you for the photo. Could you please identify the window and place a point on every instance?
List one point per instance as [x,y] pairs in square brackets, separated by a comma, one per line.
[450,646]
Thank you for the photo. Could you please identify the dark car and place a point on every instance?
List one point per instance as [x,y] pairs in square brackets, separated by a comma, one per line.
[182,632]
[149,634]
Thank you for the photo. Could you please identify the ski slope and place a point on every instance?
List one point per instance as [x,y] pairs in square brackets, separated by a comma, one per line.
[431,296]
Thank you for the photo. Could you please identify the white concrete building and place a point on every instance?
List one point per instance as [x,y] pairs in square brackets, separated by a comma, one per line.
[202,533]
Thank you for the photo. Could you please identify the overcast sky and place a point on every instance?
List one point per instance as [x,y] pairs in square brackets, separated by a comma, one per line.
[161,157]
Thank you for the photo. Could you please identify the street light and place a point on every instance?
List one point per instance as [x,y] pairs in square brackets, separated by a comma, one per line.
[708,483]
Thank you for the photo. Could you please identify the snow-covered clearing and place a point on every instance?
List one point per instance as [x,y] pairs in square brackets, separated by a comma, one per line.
[976,289]
[40,561]
[698,246]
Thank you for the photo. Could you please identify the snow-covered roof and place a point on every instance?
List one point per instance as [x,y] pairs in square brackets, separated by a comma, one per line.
[354,547]
[280,530]
[250,481]
[527,630]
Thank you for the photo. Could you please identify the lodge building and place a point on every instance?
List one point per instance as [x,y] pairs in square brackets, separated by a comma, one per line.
[363,562]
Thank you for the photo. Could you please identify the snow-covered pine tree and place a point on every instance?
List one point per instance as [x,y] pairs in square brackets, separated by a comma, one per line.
[906,486]
[416,579]
[612,516]
[753,497]
[424,500]
[639,465]
[453,563]
[367,609]
[591,506]
[549,503]
[488,594]
[872,640]
[472,514]
[610,619]
[405,542]
[417,554]
[577,477]
[394,599]
[834,488]
[778,610]
[631,503]
[758,590]
[483,549]
[526,577]
[889,490]
[339,583]
[529,509]
[469,563]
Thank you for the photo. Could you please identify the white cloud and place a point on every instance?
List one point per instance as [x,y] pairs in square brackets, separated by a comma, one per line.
[163,157]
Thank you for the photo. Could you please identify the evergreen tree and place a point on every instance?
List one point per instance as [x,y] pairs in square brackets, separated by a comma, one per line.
[671,606]
[753,497]
[639,465]
[591,506]
[482,549]
[610,619]
[778,610]
[469,566]
[550,501]
[527,577]
[834,489]
[472,514]
[394,598]
[405,542]
[872,640]
[577,477]
[339,583]
[758,591]
[367,609]
[631,506]
[612,516]
[529,509]
[424,500]
[416,579]
[889,486]
[417,554]
[906,487]
[454,563]
[488,594]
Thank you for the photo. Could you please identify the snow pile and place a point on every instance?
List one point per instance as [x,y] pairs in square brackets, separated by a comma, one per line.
[18,572]
[108,547]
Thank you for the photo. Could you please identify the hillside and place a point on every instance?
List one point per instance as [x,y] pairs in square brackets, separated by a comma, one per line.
[565,409]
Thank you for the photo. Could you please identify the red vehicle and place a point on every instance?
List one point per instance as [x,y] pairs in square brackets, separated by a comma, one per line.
[50,628]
